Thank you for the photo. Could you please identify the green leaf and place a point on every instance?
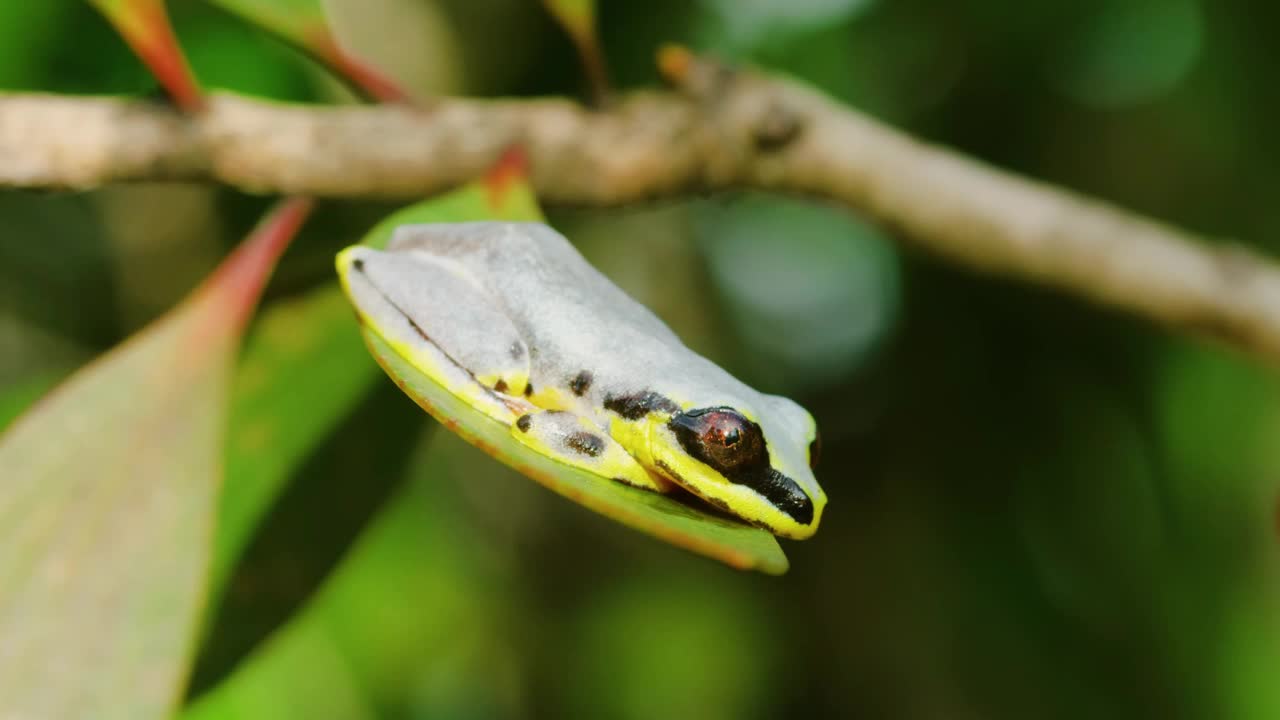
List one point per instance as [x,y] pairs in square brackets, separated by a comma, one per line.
[578,18]
[410,601]
[18,397]
[271,685]
[1126,54]
[108,503]
[144,24]
[303,23]
[301,372]
[725,540]
[311,526]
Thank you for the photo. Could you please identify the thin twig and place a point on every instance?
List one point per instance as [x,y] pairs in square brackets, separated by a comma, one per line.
[720,129]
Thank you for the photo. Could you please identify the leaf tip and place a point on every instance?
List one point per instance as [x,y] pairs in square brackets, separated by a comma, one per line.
[675,62]
[242,275]
[578,18]
[373,83]
[145,27]
[511,169]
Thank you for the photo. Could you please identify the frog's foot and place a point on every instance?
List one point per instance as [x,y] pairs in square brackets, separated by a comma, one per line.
[442,321]
[580,443]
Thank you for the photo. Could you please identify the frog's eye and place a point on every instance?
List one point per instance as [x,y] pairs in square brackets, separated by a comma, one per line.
[815,450]
[722,438]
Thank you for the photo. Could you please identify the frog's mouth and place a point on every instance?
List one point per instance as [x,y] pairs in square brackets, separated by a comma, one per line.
[698,492]
[779,490]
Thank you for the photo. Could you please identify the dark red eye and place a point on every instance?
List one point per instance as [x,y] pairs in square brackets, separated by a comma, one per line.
[734,446]
[722,438]
[815,450]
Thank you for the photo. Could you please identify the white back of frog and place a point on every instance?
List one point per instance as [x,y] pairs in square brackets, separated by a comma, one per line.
[574,318]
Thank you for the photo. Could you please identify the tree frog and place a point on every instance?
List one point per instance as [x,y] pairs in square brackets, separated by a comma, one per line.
[513,321]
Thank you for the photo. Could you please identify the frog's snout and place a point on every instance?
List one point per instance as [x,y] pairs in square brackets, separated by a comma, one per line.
[351,259]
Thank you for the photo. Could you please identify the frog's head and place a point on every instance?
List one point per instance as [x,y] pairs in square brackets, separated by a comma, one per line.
[758,466]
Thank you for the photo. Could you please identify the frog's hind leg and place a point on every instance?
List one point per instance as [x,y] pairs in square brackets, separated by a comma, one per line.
[440,320]
[576,441]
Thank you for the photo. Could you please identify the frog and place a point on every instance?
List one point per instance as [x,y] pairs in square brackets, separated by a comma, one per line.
[512,320]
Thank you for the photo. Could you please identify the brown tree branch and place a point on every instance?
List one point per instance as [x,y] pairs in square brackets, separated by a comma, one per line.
[721,129]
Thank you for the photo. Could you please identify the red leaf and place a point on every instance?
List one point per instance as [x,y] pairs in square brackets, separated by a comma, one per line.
[108,501]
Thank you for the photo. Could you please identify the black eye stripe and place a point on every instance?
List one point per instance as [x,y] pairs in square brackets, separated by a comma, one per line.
[743,459]
[781,491]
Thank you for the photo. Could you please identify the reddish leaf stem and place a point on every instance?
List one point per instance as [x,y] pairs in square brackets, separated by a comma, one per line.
[150,35]
[241,277]
[365,78]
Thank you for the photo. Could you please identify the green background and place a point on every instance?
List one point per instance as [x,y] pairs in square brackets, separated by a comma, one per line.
[1039,508]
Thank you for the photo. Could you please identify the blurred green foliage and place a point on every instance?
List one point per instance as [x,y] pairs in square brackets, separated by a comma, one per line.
[1038,508]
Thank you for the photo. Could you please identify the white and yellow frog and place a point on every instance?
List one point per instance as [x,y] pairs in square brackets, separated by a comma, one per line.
[511,319]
